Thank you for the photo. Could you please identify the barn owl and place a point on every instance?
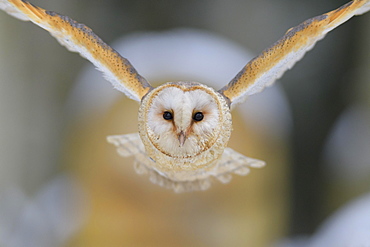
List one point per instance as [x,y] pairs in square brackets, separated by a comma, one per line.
[184,127]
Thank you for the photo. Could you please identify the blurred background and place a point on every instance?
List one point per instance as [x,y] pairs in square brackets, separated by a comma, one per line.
[62,184]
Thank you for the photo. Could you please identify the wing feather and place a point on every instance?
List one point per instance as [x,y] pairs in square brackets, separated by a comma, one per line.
[265,69]
[79,38]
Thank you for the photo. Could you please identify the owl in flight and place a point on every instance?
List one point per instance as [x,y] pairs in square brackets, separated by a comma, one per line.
[184,127]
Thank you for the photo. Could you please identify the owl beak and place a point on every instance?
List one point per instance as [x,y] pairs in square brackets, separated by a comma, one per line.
[182,138]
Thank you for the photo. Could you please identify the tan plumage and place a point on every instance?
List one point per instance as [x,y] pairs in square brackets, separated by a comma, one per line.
[184,127]
[79,38]
[271,64]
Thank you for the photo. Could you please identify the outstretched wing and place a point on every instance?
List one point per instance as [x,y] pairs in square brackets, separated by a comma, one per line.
[270,65]
[81,39]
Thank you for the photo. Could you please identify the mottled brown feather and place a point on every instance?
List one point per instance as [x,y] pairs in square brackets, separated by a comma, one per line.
[67,30]
[274,61]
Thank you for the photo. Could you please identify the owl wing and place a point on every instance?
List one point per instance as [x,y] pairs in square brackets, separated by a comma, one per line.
[127,145]
[232,162]
[81,39]
[270,65]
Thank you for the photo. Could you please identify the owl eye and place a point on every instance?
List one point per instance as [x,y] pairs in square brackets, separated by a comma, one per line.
[167,115]
[198,116]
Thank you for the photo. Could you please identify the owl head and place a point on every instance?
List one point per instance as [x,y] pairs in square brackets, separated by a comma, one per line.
[181,121]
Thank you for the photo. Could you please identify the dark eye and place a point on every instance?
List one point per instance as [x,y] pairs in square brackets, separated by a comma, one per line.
[198,116]
[167,115]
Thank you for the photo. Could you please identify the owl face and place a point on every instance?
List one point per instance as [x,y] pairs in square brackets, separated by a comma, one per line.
[183,120]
